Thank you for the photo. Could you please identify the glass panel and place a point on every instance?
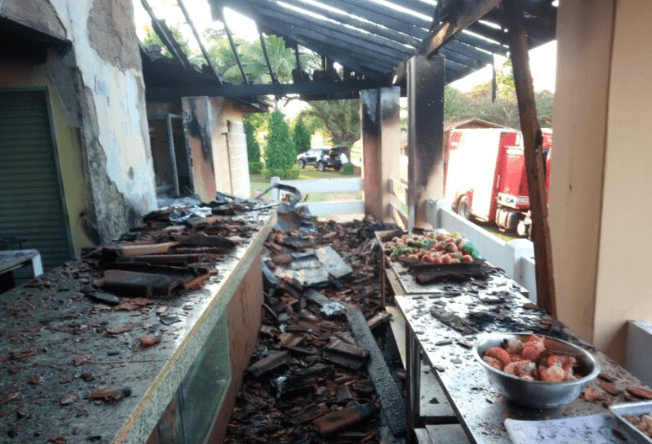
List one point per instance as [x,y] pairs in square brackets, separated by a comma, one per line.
[204,387]
[169,430]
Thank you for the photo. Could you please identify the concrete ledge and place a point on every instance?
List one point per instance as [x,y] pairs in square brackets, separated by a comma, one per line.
[638,358]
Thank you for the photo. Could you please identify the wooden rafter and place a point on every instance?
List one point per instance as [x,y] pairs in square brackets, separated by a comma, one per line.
[532,140]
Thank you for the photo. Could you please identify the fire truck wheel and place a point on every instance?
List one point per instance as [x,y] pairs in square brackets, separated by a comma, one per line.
[463,207]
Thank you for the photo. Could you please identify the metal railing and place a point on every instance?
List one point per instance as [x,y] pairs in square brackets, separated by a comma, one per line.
[324,208]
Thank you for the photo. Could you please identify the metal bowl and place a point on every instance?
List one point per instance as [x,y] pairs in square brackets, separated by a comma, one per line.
[537,394]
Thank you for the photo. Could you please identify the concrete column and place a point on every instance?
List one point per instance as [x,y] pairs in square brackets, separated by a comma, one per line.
[381,128]
[581,116]
[425,136]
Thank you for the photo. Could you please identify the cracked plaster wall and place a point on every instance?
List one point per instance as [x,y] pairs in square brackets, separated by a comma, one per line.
[105,73]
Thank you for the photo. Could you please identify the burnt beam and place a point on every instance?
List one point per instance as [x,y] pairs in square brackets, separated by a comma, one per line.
[425,135]
[166,37]
[234,48]
[312,87]
[532,141]
[465,14]
[199,42]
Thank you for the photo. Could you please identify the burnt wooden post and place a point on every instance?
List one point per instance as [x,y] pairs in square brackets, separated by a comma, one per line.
[425,81]
[532,140]
[381,128]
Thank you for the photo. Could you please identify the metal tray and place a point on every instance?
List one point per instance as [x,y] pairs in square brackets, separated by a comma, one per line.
[632,408]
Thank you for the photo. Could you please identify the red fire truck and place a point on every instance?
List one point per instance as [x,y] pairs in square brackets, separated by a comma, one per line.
[486,178]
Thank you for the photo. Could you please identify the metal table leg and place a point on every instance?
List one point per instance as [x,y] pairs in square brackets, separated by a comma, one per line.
[413,383]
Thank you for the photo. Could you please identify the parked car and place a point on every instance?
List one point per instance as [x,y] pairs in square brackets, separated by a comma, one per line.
[324,158]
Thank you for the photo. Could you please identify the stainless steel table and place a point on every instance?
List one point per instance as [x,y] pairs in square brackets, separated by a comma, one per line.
[479,407]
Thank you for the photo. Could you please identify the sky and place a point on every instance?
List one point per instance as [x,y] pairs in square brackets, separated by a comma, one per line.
[543,62]
[542,59]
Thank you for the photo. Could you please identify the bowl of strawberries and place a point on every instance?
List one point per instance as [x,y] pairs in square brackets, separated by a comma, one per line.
[535,370]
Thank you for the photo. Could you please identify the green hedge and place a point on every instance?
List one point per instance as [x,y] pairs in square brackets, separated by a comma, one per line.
[288,174]
[255,167]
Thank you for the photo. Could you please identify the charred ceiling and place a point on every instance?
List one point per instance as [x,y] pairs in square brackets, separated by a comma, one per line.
[373,39]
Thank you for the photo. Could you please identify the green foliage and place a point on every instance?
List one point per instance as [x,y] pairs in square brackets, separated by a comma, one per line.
[279,153]
[504,110]
[340,118]
[255,167]
[253,148]
[301,137]
[348,169]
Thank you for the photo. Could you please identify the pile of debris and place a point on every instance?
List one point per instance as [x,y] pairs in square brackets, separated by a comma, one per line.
[317,374]
[175,250]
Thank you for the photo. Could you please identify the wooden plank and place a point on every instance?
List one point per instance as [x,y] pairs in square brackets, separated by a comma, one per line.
[391,398]
[143,249]
[532,140]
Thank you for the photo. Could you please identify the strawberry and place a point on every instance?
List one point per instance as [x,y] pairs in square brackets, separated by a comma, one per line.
[500,354]
[532,350]
[495,363]
[551,374]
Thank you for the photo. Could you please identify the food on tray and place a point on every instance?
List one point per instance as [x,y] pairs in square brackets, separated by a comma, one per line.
[642,422]
[530,359]
[436,248]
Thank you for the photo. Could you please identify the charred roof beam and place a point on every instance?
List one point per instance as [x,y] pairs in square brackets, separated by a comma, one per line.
[303,31]
[272,74]
[199,42]
[220,14]
[356,22]
[281,89]
[455,17]
[332,30]
[163,32]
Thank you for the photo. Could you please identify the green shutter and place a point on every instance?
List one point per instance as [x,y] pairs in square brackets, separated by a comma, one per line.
[31,204]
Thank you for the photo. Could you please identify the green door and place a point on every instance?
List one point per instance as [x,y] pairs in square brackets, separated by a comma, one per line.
[31,200]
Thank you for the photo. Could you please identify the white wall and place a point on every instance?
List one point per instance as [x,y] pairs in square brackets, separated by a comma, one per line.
[118,96]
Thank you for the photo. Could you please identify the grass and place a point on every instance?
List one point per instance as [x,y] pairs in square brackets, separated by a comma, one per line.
[496,232]
[258,184]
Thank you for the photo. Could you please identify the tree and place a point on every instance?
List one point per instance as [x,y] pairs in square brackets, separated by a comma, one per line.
[281,59]
[340,118]
[301,137]
[280,155]
[503,110]
[251,54]
[253,148]
[220,52]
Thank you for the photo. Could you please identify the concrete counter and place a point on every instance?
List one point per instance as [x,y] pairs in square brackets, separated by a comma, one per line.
[58,346]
